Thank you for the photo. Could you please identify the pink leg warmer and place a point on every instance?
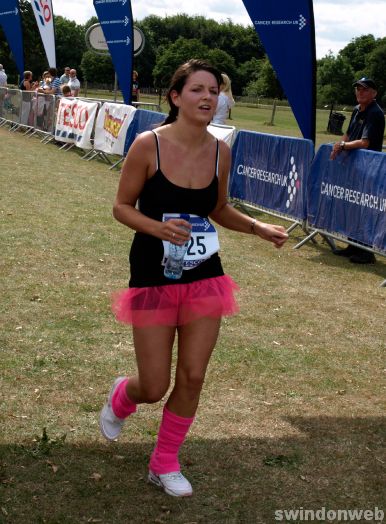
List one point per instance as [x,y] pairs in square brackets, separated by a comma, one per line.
[121,404]
[171,435]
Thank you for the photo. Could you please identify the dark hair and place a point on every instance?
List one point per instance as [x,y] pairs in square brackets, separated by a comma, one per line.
[52,71]
[179,80]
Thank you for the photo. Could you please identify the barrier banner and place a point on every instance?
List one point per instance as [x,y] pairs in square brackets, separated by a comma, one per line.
[43,107]
[271,171]
[287,32]
[10,21]
[75,121]
[226,133]
[348,195]
[116,21]
[27,114]
[45,20]
[143,120]
[111,127]
[3,93]
[11,109]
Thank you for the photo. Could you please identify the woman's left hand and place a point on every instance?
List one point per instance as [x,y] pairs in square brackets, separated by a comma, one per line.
[271,232]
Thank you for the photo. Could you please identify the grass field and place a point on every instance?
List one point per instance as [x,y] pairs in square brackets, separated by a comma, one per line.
[292,415]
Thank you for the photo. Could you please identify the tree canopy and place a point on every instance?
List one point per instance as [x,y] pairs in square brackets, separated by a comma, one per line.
[234,49]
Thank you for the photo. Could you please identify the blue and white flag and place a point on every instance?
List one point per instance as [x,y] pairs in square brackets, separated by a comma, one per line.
[116,20]
[287,32]
[10,21]
[45,20]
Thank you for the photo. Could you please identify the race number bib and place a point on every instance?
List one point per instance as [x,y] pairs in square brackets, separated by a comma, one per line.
[203,242]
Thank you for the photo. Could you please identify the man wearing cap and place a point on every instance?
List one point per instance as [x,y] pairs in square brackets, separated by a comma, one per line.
[365,131]
[3,77]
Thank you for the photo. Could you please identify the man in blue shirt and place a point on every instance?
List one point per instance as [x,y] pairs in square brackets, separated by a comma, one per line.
[365,131]
[54,88]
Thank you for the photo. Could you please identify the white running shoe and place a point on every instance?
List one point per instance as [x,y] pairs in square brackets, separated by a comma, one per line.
[109,424]
[174,484]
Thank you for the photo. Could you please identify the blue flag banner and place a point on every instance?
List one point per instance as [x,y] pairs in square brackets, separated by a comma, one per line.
[348,195]
[271,171]
[287,32]
[116,21]
[143,120]
[10,21]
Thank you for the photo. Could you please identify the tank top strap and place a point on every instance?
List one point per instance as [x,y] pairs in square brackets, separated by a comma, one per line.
[217,156]
[157,146]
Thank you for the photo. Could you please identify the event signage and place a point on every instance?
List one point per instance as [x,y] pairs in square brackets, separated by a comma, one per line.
[75,122]
[95,40]
[287,32]
[111,127]
[10,21]
[270,171]
[116,21]
[45,20]
[143,120]
[348,195]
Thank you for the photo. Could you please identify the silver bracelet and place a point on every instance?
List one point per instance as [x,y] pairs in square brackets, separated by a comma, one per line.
[253,222]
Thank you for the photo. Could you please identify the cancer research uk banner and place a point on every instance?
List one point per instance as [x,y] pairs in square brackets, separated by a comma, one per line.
[111,127]
[287,31]
[116,20]
[10,21]
[270,171]
[45,20]
[75,122]
[348,195]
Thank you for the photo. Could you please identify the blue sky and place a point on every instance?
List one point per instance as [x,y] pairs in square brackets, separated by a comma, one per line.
[337,22]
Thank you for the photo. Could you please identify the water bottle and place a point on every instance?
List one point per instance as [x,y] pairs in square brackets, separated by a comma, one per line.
[175,261]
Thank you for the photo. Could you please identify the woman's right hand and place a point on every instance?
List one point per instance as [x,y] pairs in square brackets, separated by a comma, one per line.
[175,230]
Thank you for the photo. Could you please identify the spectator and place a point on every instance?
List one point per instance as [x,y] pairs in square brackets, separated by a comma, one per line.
[135,88]
[365,131]
[66,90]
[225,101]
[64,79]
[27,84]
[3,77]
[74,83]
[52,87]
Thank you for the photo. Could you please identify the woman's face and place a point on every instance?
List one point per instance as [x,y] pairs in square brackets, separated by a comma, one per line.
[198,98]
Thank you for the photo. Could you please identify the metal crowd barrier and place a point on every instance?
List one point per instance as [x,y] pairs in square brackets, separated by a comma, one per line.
[10,106]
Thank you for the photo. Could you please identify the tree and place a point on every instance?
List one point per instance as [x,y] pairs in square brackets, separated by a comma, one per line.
[97,68]
[267,84]
[249,71]
[335,77]
[356,51]
[70,43]
[175,55]
[375,68]
[223,61]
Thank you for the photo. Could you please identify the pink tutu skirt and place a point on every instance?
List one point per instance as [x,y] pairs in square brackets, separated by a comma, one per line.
[176,304]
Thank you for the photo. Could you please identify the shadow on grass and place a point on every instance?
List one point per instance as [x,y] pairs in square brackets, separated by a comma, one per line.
[335,463]
[324,254]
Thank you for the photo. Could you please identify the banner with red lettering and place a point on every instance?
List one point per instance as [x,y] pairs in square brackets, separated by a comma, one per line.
[75,122]
[111,127]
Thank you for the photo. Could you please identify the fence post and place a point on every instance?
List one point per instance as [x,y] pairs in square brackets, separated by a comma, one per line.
[273,113]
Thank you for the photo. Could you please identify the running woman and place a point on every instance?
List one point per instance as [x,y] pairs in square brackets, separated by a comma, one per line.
[177,169]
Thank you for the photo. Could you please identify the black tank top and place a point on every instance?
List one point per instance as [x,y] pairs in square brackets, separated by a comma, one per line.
[159,196]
